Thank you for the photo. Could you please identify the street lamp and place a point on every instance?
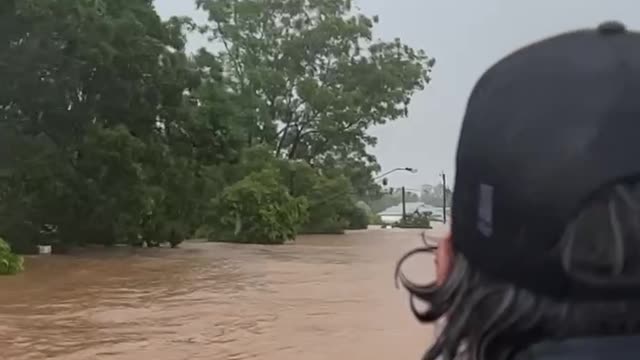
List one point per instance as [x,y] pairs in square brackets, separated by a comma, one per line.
[444,196]
[384,183]
[409,169]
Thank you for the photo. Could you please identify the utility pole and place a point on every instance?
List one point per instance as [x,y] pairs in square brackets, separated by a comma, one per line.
[444,197]
[404,204]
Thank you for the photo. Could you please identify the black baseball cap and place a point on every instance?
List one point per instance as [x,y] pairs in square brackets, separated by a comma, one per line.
[545,129]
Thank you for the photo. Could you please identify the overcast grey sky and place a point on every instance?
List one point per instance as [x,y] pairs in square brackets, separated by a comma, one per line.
[466,37]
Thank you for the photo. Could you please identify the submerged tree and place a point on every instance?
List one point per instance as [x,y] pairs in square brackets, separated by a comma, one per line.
[10,263]
[309,81]
[111,133]
[98,95]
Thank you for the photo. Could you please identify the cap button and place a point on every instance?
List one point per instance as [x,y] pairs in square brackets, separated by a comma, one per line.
[612,28]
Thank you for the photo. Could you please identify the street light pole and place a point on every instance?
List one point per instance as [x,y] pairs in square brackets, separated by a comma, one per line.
[404,205]
[444,197]
[409,169]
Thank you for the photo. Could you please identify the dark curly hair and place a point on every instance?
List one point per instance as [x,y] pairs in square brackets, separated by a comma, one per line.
[487,319]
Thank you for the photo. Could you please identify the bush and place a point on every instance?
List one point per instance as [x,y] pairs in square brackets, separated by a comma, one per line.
[10,263]
[375,219]
[257,209]
[327,226]
[122,190]
[416,220]
[330,203]
[358,218]
[331,207]
[23,236]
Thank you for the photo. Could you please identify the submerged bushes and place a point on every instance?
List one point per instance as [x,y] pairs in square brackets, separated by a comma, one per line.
[257,209]
[416,220]
[10,263]
[112,133]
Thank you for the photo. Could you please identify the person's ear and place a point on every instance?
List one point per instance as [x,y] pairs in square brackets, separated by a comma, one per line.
[444,259]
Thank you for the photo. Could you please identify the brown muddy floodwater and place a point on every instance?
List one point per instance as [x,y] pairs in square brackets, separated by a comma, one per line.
[322,297]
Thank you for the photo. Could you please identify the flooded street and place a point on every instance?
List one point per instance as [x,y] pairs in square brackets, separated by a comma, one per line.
[322,297]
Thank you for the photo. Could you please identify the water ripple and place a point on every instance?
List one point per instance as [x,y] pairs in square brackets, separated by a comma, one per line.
[318,298]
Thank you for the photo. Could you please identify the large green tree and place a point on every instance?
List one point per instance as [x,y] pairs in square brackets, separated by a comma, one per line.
[311,78]
[309,81]
[100,97]
[111,133]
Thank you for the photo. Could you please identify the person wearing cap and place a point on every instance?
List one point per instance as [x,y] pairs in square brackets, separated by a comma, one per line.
[543,261]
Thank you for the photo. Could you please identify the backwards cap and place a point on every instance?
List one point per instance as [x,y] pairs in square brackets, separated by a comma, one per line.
[545,128]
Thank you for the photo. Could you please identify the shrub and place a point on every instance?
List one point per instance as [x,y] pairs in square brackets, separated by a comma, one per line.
[416,220]
[375,219]
[10,263]
[326,226]
[257,209]
[358,218]
[330,204]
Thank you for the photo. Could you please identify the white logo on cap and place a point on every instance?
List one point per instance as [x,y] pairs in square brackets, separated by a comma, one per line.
[485,210]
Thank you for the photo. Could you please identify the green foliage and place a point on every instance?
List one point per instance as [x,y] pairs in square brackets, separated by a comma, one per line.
[258,209]
[330,202]
[311,81]
[10,263]
[358,218]
[105,147]
[331,199]
[416,220]
[375,219]
[111,134]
